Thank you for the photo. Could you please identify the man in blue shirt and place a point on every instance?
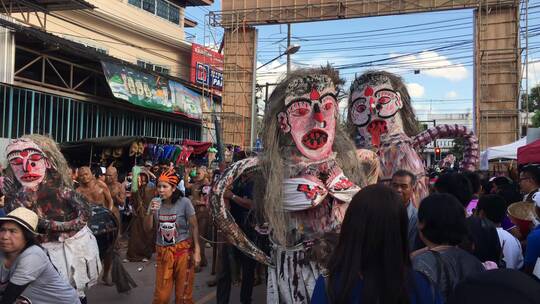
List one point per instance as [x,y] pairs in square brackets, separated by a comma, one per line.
[532,253]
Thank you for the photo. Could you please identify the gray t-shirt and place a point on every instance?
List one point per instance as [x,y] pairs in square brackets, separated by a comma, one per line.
[46,286]
[173,222]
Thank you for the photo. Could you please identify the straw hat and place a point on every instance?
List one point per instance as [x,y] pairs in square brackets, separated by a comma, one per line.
[24,217]
[522,210]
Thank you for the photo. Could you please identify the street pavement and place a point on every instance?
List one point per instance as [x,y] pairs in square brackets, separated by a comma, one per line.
[145,280]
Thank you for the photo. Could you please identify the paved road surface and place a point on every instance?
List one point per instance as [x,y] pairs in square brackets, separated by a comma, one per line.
[145,280]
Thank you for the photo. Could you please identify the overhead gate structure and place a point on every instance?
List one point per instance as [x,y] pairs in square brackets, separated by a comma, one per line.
[496,57]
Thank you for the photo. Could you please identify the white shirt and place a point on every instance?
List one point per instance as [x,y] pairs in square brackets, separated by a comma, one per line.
[511,249]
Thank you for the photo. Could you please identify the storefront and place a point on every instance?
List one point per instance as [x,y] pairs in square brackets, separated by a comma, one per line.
[71,92]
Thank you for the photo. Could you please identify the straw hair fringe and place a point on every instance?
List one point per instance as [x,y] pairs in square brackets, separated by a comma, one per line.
[277,147]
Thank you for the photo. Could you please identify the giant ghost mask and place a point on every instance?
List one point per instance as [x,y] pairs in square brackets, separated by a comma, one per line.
[374,110]
[28,162]
[310,115]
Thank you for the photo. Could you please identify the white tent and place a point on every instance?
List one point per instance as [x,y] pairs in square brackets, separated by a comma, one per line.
[508,151]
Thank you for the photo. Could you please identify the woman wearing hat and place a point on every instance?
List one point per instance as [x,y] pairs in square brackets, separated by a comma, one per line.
[26,272]
[177,252]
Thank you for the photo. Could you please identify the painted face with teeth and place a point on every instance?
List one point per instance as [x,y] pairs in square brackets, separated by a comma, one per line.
[374,110]
[28,162]
[311,120]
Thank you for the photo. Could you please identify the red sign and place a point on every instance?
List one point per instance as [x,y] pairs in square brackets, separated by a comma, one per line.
[207,68]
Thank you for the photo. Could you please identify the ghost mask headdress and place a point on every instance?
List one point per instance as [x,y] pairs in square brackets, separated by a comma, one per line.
[309,115]
[379,105]
[33,159]
[28,162]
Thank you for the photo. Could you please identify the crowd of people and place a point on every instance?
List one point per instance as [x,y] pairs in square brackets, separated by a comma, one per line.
[388,251]
[436,253]
[318,217]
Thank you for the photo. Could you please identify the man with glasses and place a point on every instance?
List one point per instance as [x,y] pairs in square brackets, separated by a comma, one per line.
[529,183]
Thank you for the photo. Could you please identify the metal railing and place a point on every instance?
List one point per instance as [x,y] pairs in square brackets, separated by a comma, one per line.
[25,111]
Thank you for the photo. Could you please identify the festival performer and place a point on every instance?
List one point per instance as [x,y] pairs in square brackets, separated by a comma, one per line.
[99,195]
[117,191]
[178,252]
[308,174]
[381,118]
[141,241]
[199,198]
[39,179]
[92,189]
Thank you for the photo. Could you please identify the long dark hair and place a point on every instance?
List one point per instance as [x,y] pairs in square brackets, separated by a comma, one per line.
[29,237]
[373,246]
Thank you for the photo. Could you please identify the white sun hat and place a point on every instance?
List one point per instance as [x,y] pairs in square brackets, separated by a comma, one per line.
[24,217]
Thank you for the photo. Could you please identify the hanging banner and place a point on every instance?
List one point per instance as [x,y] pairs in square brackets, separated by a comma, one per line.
[152,92]
[207,68]
[185,100]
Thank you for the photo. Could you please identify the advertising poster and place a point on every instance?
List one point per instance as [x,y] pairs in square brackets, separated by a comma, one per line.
[207,68]
[185,100]
[138,88]
[152,92]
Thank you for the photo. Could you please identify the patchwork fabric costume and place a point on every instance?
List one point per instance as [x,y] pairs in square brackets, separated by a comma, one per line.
[38,178]
[309,176]
[381,118]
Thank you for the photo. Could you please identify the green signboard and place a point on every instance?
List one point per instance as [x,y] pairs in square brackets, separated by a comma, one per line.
[153,92]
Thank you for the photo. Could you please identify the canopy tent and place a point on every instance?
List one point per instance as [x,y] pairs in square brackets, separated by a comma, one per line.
[529,154]
[508,151]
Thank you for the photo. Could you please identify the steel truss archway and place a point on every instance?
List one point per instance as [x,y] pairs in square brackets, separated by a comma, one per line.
[496,57]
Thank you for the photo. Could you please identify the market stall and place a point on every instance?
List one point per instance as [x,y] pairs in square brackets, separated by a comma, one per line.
[529,154]
[126,151]
[504,152]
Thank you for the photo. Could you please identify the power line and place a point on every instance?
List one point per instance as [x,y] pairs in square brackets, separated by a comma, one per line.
[379,30]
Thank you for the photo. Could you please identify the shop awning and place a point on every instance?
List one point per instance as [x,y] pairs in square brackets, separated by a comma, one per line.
[198,147]
[529,154]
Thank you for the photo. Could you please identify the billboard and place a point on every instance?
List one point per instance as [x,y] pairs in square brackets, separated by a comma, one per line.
[207,68]
[152,92]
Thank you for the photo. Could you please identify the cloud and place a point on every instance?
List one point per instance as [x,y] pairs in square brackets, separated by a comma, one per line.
[451,94]
[432,64]
[324,58]
[415,90]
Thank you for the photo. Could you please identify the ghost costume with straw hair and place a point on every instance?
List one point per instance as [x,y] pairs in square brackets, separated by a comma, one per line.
[304,181]
[381,118]
[38,178]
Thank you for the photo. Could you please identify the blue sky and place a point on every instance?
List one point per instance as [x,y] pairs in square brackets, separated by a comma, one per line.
[439,45]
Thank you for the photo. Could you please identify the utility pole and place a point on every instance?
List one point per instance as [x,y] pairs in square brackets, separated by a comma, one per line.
[288,46]
[526,71]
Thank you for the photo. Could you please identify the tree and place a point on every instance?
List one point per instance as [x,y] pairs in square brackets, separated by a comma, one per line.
[536,119]
[533,99]
[458,149]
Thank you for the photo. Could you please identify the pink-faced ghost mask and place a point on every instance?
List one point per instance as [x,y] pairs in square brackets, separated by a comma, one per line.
[310,115]
[373,109]
[28,162]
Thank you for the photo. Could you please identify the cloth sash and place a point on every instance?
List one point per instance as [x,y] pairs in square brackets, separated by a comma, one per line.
[301,193]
